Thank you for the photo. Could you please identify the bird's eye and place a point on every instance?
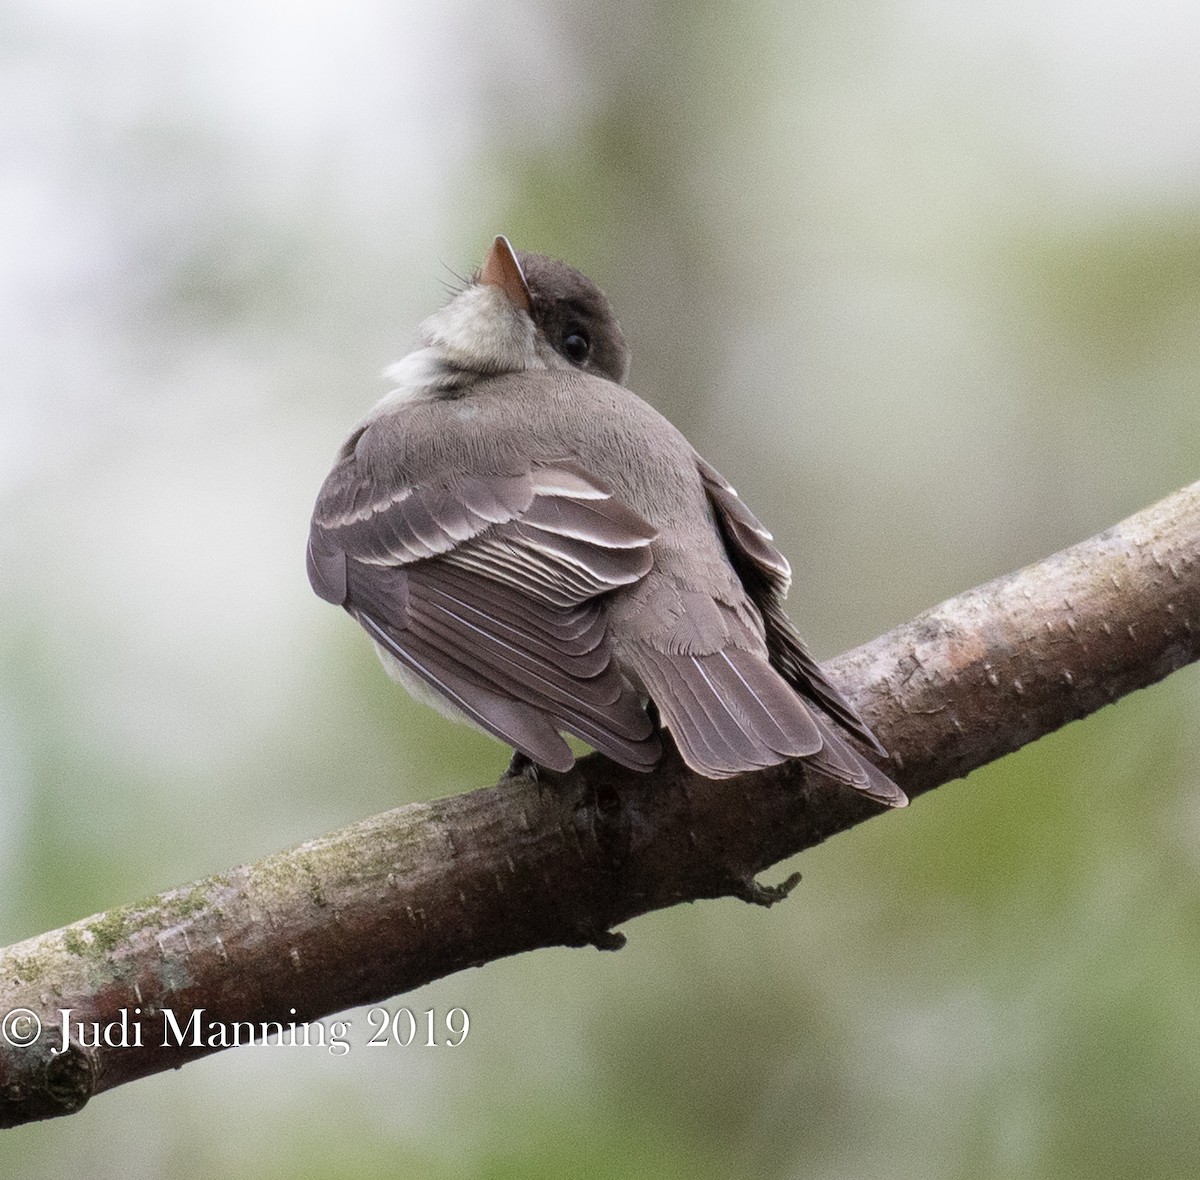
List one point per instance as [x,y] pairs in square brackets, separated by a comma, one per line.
[576,347]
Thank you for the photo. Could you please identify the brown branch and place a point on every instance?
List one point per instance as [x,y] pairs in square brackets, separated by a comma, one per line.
[417,893]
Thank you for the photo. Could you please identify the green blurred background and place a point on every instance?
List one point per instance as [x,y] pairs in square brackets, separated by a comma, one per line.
[922,278]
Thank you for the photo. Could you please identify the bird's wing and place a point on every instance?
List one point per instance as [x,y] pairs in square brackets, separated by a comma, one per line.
[766,575]
[488,589]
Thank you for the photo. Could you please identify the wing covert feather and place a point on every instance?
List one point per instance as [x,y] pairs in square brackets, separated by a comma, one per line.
[486,588]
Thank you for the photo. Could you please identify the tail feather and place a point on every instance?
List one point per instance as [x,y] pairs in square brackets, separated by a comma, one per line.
[868,778]
[730,712]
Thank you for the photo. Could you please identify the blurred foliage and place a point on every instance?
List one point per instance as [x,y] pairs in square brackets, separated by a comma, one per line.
[921,280]
[1120,291]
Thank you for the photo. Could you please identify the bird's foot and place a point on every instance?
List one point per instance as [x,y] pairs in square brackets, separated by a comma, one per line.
[522,766]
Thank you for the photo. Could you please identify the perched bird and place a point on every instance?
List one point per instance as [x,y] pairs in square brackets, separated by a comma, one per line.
[535,549]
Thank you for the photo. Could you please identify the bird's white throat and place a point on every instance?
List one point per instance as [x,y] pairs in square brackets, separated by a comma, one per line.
[479,333]
[422,374]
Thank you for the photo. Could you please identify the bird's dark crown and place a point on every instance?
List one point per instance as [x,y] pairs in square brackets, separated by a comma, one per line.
[566,304]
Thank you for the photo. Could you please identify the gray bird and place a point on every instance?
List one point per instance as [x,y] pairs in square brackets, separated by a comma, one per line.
[534,549]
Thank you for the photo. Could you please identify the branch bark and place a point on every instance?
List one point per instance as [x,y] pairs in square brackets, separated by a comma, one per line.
[414,894]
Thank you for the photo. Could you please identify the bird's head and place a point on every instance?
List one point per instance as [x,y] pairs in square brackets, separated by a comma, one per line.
[527,311]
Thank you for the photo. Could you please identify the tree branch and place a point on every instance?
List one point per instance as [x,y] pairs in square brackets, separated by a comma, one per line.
[414,894]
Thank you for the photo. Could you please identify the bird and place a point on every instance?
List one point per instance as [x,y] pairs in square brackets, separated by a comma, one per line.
[536,550]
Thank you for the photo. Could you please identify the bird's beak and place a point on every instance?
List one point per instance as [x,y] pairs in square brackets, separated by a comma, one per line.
[501,269]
